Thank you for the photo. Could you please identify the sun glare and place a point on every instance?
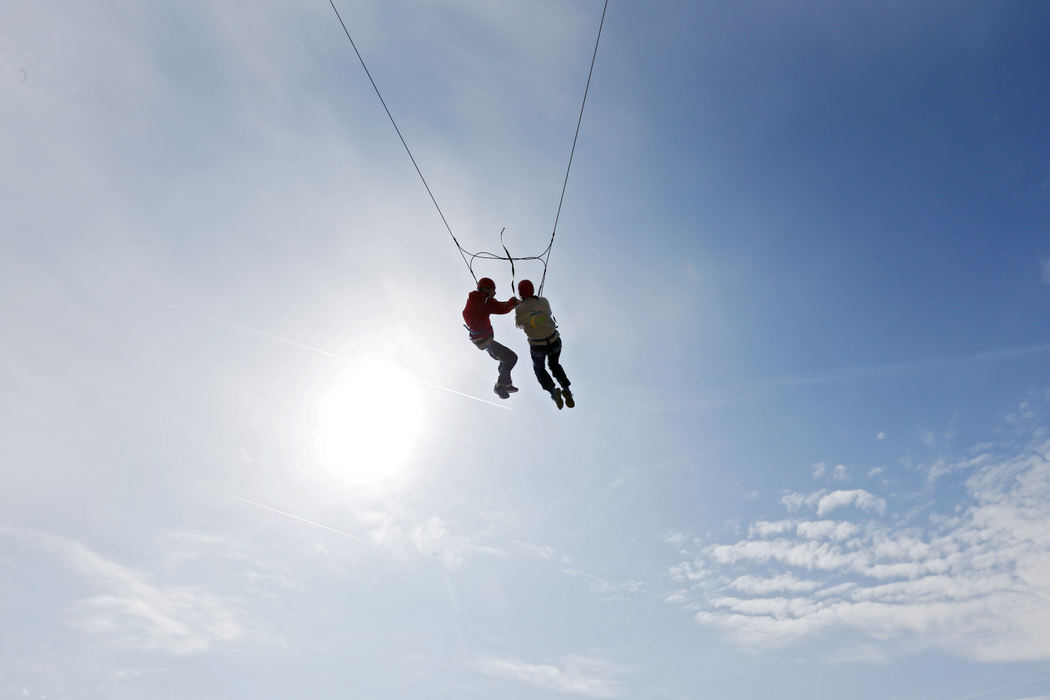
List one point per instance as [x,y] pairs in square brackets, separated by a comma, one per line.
[368,422]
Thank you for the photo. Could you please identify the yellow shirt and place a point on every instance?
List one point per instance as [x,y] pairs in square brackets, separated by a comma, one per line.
[534,316]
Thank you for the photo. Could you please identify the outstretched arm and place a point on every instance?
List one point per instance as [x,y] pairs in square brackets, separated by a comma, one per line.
[501,307]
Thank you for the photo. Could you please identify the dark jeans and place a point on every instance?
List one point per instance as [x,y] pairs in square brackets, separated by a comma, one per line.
[551,353]
[506,357]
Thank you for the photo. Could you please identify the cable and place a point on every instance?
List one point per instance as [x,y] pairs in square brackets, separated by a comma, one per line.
[403,143]
[543,257]
[572,152]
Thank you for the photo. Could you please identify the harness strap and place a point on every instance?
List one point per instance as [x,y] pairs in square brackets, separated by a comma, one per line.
[545,341]
[480,338]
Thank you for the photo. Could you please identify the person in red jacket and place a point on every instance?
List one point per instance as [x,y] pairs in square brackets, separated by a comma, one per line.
[480,305]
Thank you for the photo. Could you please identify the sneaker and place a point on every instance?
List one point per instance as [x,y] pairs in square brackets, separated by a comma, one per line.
[569,401]
[501,391]
[556,395]
[511,388]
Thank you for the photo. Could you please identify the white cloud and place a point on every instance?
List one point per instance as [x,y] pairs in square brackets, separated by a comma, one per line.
[403,532]
[941,467]
[581,675]
[838,473]
[880,436]
[534,550]
[677,598]
[433,537]
[808,554]
[826,530]
[617,590]
[1045,271]
[756,585]
[133,612]
[793,500]
[127,674]
[857,497]
[765,528]
[687,571]
[609,590]
[675,538]
[972,582]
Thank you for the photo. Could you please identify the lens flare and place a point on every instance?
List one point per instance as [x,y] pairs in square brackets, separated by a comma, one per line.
[368,422]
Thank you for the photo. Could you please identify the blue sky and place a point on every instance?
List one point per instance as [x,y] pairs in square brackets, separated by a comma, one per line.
[802,275]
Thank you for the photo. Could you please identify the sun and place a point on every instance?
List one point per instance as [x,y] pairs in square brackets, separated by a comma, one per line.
[368,422]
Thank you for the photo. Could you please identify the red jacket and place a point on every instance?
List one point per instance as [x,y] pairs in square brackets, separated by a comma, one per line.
[477,311]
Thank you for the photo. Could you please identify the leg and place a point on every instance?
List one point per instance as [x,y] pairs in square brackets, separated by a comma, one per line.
[506,358]
[553,358]
[539,354]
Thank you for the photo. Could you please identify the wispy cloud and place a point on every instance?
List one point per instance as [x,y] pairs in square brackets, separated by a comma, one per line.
[131,611]
[755,585]
[534,550]
[581,675]
[434,537]
[941,467]
[1012,686]
[341,533]
[740,394]
[794,500]
[1046,271]
[973,581]
[128,674]
[848,374]
[837,473]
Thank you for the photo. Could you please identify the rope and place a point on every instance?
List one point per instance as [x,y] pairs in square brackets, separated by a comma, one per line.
[511,259]
[572,152]
[403,143]
[484,255]
[543,257]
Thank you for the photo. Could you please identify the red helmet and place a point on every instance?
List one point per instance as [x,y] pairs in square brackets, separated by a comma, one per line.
[486,283]
[525,289]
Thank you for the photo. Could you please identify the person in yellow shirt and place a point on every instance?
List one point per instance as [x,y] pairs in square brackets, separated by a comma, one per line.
[533,315]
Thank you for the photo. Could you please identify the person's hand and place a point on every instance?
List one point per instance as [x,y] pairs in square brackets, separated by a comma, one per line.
[514,301]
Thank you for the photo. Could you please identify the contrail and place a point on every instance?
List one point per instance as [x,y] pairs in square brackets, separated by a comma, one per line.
[1005,687]
[311,348]
[842,375]
[355,538]
[909,367]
